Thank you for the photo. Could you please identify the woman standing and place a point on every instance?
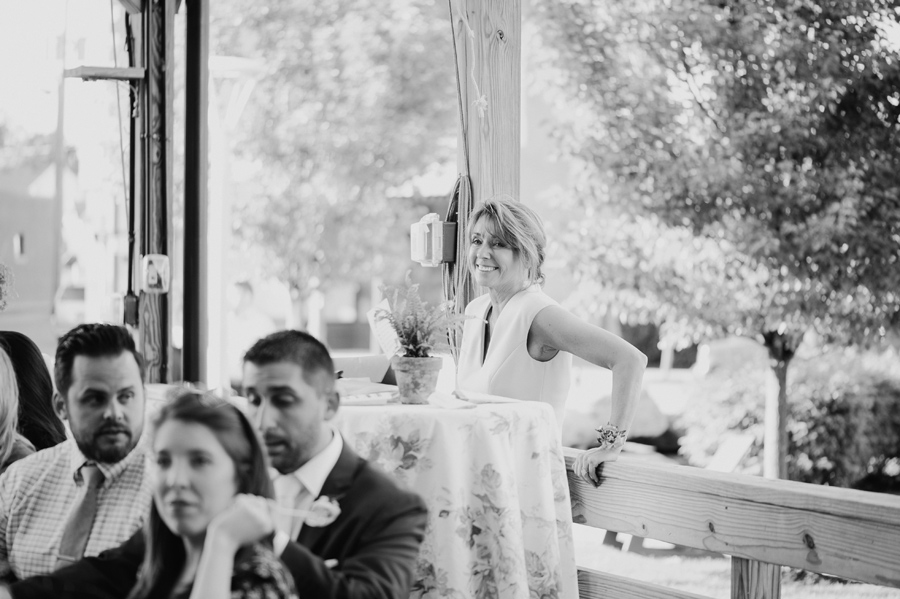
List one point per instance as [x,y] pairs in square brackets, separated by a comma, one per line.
[209,532]
[518,342]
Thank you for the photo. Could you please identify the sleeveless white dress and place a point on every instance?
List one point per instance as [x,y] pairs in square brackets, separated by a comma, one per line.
[508,369]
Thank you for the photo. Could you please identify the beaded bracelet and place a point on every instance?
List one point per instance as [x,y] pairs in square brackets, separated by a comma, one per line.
[609,436]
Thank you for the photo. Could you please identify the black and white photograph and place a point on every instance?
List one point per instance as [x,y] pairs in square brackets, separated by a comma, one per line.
[450,299]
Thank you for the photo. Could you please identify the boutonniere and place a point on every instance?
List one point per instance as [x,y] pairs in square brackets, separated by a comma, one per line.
[322,512]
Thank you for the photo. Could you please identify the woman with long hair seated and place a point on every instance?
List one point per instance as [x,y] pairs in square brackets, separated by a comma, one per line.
[209,532]
[38,421]
[13,446]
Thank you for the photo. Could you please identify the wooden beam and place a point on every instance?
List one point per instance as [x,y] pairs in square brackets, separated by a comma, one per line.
[196,158]
[593,584]
[751,579]
[155,310]
[134,44]
[774,521]
[105,73]
[490,61]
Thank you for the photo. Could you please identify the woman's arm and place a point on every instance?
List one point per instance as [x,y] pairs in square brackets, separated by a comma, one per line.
[246,521]
[213,578]
[556,329]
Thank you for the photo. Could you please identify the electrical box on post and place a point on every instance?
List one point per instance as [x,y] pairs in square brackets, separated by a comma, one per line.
[155,273]
[432,241]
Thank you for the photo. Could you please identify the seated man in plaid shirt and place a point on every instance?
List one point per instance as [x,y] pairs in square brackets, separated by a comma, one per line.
[88,493]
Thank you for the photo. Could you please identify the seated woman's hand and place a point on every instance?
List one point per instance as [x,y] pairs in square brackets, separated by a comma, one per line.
[587,465]
[246,521]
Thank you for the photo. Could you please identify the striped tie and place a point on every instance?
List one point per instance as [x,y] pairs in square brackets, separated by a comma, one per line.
[81,520]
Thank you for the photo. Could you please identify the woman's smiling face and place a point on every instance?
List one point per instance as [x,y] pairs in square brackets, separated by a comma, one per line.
[492,262]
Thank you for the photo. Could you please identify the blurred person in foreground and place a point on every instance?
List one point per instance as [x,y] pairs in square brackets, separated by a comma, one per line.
[13,446]
[361,535]
[210,478]
[89,493]
[518,342]
[38,421]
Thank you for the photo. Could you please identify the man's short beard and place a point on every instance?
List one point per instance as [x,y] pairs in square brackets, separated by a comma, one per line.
[111,455]
[289,462]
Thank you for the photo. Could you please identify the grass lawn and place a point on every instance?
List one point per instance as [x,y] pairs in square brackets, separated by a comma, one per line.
[703,575]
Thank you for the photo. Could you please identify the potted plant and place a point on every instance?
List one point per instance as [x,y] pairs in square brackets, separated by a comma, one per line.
[421,331]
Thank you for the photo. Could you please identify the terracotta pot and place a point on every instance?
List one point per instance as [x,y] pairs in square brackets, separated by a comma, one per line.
[416,377]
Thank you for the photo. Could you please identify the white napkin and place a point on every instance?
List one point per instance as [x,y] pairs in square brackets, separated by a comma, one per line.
[479,398]
[363,392]
[442,399]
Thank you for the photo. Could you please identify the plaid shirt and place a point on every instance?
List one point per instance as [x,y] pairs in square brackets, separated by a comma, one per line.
[37,494]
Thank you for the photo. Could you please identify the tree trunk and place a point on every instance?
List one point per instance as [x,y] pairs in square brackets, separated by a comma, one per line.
[781,347]
[315,324]
[298,311]
[775,442]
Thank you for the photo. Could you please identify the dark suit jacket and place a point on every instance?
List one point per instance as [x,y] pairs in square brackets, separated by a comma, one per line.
[375,541]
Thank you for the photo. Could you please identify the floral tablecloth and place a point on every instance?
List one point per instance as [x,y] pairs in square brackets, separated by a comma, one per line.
[494,478]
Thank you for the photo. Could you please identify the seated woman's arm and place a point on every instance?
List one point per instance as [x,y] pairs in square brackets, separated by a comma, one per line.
[246,521]
[556,329]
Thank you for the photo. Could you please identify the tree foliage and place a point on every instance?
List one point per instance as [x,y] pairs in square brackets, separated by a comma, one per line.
[763,135]
[747,156]
[355,98]
[845,425]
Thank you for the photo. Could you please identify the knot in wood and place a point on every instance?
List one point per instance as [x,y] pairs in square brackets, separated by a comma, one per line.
[808,541]
[501,35]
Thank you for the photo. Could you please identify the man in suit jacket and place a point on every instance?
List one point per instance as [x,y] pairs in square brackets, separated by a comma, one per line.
[368,550]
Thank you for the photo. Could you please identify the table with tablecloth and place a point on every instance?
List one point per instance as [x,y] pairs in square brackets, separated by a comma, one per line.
[494,479]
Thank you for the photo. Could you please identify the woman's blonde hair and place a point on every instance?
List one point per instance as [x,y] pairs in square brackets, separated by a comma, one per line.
[519,228]
[9,406]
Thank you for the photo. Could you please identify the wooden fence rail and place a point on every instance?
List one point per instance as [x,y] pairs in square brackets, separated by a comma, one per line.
[763,524]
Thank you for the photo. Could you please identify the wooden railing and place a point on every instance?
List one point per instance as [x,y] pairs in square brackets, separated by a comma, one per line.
[762,524]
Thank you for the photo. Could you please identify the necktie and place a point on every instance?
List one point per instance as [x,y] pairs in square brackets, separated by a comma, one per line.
[290,495]
[81,520]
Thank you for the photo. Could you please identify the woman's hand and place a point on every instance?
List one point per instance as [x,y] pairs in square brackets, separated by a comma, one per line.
[246,521]
[587,464]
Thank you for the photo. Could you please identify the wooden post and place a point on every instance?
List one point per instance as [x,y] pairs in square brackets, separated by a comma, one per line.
[751,579]
[491,60]
[196,251]
[159,46]
[137,106]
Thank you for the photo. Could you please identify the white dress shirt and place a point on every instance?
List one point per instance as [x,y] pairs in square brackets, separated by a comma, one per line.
[299,489]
